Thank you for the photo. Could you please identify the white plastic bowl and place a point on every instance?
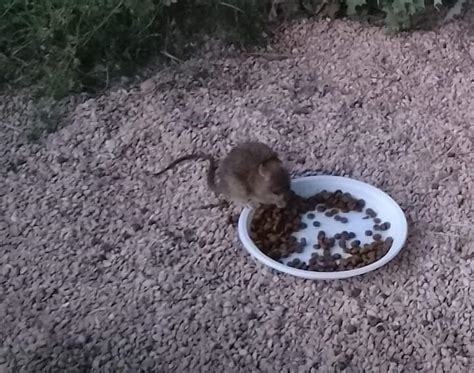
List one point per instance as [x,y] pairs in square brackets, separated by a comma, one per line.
[385,206]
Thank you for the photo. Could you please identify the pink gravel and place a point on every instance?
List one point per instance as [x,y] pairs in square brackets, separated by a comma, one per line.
[106,269]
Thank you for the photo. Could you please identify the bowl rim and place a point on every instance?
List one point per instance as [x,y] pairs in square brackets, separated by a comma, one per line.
[243,232]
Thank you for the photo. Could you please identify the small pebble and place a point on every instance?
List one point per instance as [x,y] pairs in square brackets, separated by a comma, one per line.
[136,227]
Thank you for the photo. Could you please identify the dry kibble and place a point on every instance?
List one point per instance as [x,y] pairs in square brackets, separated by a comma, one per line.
[342,244]
[272,230]
[385,226]
[371,213]
[377,221]
[368,232]
[377,237]
[344,220]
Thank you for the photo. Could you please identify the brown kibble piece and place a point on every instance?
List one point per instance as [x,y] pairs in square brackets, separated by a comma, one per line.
[371,213]
[355,260]
[377,237]
[342,244]
[302,226]
[385,226]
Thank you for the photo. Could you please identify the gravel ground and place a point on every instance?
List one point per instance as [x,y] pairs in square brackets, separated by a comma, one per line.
[106,269]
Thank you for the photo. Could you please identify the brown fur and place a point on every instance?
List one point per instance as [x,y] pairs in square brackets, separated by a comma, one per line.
[250,173]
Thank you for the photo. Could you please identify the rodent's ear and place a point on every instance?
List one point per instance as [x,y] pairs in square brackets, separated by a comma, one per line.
[267,168]
[263,171]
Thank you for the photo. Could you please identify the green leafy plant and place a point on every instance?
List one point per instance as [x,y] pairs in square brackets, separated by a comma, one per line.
[63,46]
[70,45]
[398,12]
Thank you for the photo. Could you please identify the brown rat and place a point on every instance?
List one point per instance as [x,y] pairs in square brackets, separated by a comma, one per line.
[250,173]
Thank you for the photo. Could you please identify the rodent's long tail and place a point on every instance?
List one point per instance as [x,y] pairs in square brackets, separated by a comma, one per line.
[211,172]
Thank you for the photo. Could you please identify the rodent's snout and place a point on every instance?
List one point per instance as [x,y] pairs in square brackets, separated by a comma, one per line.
[282,202]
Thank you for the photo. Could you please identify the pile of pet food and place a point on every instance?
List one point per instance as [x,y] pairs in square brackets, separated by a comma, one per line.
[272,231]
